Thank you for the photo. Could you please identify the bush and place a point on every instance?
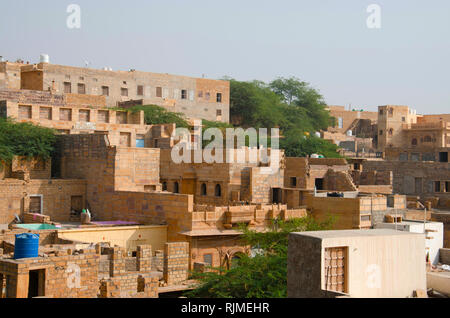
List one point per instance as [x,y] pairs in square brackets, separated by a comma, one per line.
[156,115]
[25,139]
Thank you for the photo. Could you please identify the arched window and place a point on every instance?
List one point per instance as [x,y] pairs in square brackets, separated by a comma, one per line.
[164,186]
[234,261]
[391,132]
[414,142]
[203,189]
[176,187]
[218,190]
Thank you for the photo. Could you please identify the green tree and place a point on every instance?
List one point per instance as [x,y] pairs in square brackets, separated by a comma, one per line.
[25,139]
[253,104]
[261,276]
[288,104]
[296,145]
[299,94]
[156,115]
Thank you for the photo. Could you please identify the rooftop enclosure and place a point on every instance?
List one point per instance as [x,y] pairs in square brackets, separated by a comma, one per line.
[322,174]
[356,263]
[348,213]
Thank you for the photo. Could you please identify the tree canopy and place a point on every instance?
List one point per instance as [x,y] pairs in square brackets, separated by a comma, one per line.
[288,104]
[25,139]
[156,115]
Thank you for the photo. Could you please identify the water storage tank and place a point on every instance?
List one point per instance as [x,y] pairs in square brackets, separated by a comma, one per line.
[44,58]
[27,245]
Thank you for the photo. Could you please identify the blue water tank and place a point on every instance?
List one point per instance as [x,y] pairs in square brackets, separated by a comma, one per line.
[27,245]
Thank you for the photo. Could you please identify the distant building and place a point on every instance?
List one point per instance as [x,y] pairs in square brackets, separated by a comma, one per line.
[197,98]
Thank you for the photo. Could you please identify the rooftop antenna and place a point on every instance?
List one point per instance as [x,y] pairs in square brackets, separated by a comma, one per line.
[87,63]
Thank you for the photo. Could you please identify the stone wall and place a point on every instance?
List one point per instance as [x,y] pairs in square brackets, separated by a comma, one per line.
[55,194]
[176,262]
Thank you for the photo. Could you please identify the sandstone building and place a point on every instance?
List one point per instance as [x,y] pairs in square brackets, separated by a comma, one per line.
[197,98]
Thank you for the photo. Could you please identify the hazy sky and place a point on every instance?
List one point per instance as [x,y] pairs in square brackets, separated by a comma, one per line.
[324,42]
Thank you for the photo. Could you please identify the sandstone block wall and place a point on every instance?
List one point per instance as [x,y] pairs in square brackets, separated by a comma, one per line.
[176,262]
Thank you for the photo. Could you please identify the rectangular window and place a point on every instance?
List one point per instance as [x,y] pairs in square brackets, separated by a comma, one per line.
[219,97]
[443,157]
[159,92]
[67,87]
[415,157]
[121,118]
[24,112]
[207,259]
[403,156]
[293,181]
[105,90]
[140,90]
[219,112]
[124,91]
[65,114]
[437,186]
[103,116]
[207,96]
[183,94]
[84,115]
[81,88]
[340,122]
[447,186]
[140,141]
[200,94]
[45,113]
[125,139]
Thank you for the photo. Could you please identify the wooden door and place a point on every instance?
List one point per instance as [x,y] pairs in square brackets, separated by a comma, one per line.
[335,269]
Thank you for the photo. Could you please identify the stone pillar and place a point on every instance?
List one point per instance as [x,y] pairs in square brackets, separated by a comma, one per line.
[117,265]
[176,262]
[144,258]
